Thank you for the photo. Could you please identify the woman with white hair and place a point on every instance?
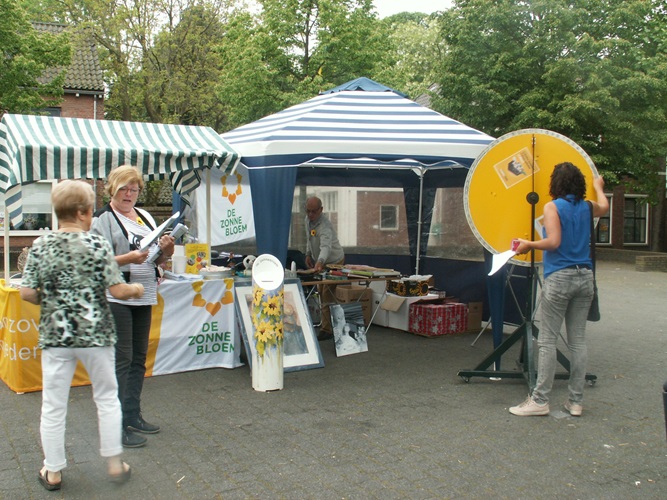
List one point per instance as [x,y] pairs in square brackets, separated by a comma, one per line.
[67,272]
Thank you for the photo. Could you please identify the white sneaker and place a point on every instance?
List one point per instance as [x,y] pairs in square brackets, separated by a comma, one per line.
[530,408]
[575,409]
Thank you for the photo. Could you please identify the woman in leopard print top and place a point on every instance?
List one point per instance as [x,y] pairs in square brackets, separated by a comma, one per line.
[67,272]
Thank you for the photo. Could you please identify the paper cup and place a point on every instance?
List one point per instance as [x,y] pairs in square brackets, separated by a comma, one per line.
[178,263]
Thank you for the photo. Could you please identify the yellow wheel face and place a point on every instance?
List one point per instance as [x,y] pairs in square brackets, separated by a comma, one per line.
[501,178]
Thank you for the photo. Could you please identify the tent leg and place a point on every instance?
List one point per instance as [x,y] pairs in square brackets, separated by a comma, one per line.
[481,332]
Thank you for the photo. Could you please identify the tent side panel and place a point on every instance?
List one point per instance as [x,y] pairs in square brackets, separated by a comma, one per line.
[272,194]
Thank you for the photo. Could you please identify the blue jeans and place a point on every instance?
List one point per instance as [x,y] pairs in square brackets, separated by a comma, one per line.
[566,295]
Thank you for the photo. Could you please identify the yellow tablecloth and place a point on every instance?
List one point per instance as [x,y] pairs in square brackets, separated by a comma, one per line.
[193,327]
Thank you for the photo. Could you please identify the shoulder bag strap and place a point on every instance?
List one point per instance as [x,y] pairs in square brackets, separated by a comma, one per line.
[590,205]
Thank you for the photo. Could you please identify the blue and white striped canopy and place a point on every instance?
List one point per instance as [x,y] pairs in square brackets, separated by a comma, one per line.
[382,126]
[348,138]
[34,148]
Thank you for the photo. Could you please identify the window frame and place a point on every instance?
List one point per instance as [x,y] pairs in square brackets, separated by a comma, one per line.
[646,218]
[396,216]
[37,232]
[609,218]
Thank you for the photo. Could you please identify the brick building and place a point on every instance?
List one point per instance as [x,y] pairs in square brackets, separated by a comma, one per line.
[83,98]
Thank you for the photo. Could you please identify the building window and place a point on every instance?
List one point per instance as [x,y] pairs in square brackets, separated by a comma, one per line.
[603,229]
[388,217]
[55,112]
[38,213]
[635,220]
[330,201]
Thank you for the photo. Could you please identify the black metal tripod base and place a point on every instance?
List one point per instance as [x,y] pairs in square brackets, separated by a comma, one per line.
[482,369]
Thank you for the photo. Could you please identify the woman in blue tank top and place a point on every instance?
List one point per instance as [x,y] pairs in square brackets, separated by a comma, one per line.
[568,285]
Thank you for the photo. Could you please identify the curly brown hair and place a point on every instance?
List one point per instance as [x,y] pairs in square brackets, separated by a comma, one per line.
[567,179]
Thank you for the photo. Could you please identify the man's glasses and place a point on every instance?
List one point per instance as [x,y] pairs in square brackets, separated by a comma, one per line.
[129,190]
[313,211]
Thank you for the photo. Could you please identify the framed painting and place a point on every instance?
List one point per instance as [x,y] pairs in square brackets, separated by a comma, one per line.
[300,347]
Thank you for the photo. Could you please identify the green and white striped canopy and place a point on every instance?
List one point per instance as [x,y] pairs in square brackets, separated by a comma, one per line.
[34,148]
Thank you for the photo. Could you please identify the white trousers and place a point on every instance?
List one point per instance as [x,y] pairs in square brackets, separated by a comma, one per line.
[58,366]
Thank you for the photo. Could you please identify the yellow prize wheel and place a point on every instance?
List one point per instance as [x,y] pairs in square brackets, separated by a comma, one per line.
[502,177]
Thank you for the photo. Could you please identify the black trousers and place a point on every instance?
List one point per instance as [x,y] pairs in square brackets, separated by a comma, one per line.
[133,325]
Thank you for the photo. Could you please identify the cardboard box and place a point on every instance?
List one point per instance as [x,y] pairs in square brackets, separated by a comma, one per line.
[398,310]
[408,288]
[381,315]
[435,318]
[352,293]
[475,315]
[475,307]
[355,293]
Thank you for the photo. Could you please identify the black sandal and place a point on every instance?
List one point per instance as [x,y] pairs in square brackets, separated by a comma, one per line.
[44,479]
[123,477]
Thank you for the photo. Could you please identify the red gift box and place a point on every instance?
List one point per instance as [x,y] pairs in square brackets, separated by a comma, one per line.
[438,318]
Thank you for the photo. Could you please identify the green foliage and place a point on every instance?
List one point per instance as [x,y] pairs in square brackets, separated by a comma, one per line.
[292,50]
[254,83]
[412,49]
[183,69]
[25,55]
[593,70]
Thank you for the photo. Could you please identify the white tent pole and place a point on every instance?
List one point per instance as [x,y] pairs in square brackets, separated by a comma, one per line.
[419,220]
[6,243]
[208,212]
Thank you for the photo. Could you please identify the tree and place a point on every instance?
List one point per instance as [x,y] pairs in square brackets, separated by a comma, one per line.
[593,70]
[413,46]
[184,69]
[26,54]
[255,81]
[294,49]
[337,40]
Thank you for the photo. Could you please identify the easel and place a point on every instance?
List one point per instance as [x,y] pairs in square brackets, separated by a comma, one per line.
[527,331]
[508,285]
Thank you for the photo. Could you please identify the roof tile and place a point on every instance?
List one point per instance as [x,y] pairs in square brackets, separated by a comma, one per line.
[85,72]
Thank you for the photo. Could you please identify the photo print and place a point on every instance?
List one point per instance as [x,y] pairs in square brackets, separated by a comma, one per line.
[348,328]
[516,168]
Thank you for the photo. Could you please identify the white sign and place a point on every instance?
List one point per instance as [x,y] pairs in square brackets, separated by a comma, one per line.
[197,326]
[231,207]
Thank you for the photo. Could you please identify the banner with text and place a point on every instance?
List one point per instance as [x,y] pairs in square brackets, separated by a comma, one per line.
[231,207]
[193,326]
[197,327]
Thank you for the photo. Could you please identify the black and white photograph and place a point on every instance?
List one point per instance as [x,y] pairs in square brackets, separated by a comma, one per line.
[348,329]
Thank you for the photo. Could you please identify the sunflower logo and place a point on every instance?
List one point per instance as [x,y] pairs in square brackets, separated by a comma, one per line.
[227,297]
[313,232]
[225,192]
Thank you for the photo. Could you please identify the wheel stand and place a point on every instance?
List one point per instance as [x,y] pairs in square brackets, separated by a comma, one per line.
[526,363]
[526,332]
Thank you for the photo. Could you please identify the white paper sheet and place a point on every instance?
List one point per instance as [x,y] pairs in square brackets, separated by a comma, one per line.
[499,260]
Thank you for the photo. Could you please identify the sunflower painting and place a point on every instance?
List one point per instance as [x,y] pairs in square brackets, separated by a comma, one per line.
[267,319]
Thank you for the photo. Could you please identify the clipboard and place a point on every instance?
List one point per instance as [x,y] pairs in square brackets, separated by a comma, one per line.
[155,234]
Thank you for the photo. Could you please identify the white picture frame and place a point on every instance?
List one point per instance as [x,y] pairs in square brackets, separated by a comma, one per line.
[300,346]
